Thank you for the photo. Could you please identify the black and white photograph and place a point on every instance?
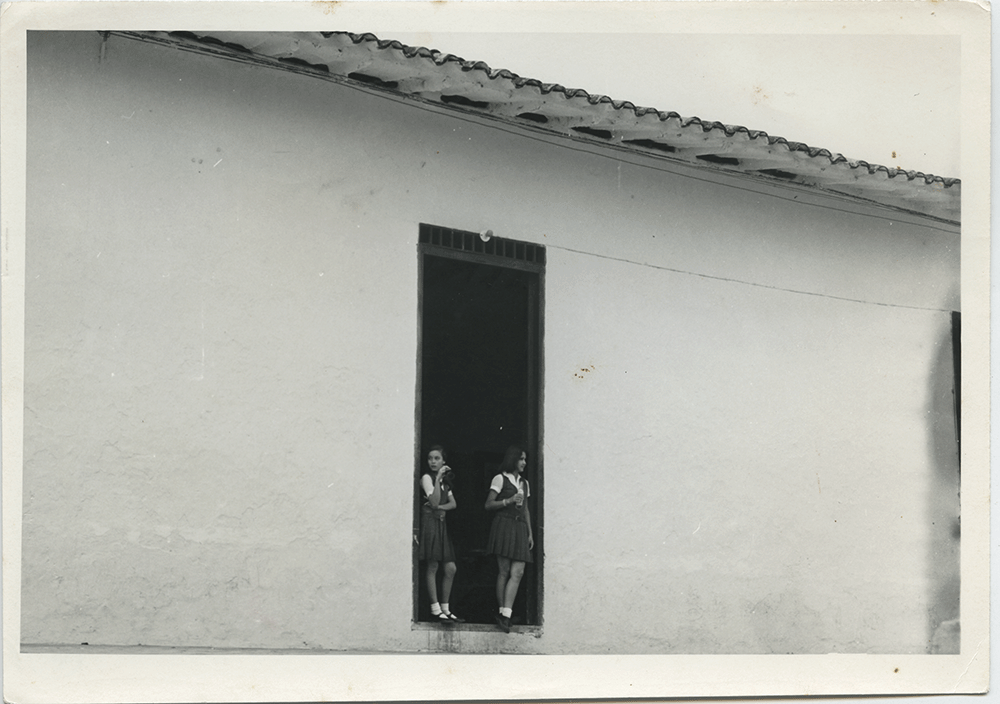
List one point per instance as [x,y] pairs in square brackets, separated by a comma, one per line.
[389,351]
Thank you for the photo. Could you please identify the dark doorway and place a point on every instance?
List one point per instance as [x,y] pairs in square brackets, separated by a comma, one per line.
[479,393]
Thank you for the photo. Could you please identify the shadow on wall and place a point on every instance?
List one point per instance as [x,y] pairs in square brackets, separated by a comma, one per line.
[943,496]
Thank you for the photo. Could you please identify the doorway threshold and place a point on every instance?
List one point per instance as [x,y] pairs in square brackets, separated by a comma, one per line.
[535,631]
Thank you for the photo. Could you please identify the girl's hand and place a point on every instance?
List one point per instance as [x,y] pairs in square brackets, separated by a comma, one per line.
[531,542]
[519,498]
[444,468]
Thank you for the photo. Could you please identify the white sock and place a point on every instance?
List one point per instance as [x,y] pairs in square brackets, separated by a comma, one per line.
[506,612]
[435,608]
[444,607]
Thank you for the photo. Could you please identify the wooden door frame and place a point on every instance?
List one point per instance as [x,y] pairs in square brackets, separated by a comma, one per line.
[479,254]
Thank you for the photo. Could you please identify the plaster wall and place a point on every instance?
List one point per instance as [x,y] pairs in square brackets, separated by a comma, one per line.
[748,438]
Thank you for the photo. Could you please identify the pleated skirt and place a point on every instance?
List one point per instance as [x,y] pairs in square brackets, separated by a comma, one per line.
[509,538]
[434,541]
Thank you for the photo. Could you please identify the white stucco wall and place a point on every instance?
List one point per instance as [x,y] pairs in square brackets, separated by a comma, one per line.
[219,386]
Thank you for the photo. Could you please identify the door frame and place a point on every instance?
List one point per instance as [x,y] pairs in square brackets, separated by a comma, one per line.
[435,241]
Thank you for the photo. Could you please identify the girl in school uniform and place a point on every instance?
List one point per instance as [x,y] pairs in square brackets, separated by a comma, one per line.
[435,546]
[511,539]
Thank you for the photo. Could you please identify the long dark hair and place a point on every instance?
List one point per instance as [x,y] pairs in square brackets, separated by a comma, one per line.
[511,458]
[446,479]
[432,448]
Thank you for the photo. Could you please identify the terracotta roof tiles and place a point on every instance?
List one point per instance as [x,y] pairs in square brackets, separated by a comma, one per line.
[473,86]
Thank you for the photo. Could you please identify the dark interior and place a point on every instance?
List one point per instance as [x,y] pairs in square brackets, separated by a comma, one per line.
[474,401]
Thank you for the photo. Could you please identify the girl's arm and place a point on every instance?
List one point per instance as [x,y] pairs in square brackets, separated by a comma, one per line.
[434,497]
[527,518]
[493,505]
[451,503]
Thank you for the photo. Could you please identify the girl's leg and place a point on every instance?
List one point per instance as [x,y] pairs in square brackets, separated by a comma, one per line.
[503,564]
[431,577]
[510,592]
[447,580]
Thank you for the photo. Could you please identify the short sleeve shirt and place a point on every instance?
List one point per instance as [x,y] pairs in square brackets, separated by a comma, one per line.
[427,484]
[497,484]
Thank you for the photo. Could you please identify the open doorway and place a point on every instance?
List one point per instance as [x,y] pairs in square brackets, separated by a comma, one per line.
[478,392]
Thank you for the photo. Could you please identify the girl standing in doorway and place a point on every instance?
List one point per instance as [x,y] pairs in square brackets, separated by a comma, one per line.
[511,539]
[435,545]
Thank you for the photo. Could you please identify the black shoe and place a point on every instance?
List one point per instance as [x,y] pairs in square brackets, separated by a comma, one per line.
[453,618]
[503,622]
[442,618]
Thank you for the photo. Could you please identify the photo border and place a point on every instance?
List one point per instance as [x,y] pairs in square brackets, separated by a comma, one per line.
[230,677]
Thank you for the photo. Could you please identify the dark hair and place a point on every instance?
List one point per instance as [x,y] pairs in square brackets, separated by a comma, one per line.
[444,455]
[511,458]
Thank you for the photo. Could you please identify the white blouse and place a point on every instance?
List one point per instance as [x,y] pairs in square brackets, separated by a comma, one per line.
[427,484]
[497,483]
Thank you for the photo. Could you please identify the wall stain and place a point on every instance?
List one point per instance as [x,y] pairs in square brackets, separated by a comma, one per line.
[759,96]
[327,6]
[103,54]
[583,372]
